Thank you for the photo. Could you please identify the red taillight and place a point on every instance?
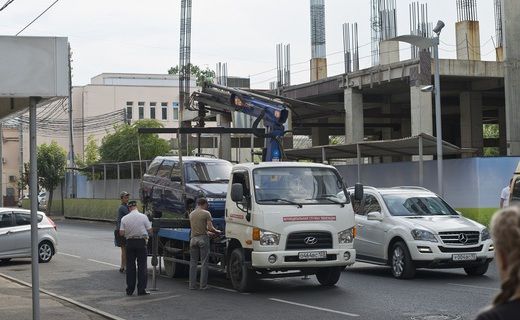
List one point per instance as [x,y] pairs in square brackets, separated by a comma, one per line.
[53,224]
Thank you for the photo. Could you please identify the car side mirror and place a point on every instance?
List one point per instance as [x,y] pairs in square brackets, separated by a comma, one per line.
[376,216]
[358,191]
[237,192]
[176,179]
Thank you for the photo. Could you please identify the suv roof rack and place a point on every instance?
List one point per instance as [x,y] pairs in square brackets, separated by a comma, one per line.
[411,187]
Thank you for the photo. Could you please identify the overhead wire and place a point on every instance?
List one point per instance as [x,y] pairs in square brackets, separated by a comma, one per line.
[41,14]
[6,4]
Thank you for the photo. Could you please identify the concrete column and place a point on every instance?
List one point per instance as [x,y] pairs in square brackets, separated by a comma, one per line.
[468,40]
[224,147]
[318,68]
[502,130]
[388,52]
[471,135]
[511,30]
[354,126]
[421,111]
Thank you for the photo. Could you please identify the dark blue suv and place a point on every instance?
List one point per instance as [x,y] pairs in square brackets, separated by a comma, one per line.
[163,189]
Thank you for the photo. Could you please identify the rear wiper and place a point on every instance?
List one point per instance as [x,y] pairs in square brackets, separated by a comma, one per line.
[284,200]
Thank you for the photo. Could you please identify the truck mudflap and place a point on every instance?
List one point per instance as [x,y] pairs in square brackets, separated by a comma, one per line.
[303,259]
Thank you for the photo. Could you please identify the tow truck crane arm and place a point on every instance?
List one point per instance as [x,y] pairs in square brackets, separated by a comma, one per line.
[273,111]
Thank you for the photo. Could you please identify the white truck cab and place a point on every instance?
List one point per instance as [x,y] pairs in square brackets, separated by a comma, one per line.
[285,218]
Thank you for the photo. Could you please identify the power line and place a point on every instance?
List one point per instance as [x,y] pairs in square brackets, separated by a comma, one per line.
[41,14]
[6,4]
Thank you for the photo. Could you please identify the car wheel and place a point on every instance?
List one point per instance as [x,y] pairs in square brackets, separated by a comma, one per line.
[241,276]
[173,269]
[401,262]
[478,270]
[45,251]
[328,277]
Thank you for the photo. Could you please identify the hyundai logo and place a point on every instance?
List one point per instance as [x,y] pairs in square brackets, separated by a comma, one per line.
[463,238]
[310,240]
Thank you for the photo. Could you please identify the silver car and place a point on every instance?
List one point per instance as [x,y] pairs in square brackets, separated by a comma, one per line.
[15,235]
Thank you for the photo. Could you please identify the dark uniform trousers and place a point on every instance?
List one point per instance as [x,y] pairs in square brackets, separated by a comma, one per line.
[136,250]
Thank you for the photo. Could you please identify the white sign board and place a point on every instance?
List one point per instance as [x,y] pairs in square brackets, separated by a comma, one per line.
[32,67]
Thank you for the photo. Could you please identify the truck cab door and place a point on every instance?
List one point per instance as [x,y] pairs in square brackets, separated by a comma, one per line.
[239,213]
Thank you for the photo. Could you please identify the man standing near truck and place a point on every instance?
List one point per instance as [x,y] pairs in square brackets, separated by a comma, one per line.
[120,240]
[201,226]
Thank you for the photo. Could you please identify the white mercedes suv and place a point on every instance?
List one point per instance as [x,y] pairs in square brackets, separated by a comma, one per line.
[411,227]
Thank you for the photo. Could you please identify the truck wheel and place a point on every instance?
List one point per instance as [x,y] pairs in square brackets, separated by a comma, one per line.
[241,276]
[478,270]
[401,262]
[328,277]
[173,269]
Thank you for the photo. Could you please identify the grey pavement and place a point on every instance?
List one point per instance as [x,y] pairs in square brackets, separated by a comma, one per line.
[16,304]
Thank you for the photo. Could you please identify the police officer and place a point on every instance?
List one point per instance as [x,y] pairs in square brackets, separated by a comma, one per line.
[135,227]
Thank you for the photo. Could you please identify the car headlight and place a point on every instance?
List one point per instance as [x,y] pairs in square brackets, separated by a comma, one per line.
[484,235]
[268,238]
[347,236]
[424,235]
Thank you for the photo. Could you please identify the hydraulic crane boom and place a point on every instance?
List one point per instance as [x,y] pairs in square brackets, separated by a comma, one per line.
[273,111]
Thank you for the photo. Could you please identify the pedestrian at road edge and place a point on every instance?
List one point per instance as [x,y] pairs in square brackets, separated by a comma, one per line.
[505,231]
[201,228]
[119,241]
[504,195]
[136,228]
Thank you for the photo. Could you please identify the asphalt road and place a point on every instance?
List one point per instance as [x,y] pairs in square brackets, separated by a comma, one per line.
[86,270]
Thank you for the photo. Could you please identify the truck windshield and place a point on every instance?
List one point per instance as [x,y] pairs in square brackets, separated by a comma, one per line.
[297,185]
[406,205]
[208,172]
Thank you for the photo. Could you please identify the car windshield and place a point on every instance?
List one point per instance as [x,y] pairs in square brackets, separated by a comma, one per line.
[297,185]
[208,172]
[406,205]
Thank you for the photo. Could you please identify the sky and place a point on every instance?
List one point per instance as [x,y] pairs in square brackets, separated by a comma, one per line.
[132,36]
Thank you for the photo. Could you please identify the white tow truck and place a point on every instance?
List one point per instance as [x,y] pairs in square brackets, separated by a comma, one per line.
[281,219]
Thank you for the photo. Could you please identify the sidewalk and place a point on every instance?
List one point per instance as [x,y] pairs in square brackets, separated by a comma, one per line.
[16,304]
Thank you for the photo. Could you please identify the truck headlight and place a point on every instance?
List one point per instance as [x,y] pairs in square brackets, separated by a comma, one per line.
[347,236]
[268,238]
[484,235]
[423,235]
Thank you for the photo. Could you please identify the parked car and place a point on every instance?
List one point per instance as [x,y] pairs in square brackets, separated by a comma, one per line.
[411,227]
[169,187]
[15,235]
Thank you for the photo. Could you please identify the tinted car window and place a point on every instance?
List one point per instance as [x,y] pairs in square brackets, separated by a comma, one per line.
[6,219]
[406,205]
[371,204]
[22,218]
[207,171]
[165,169]
[152,169]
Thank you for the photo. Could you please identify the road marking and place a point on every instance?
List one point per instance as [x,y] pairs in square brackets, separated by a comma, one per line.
[474,287]
[69,255]
[316,308]
[102,262]
[226,289]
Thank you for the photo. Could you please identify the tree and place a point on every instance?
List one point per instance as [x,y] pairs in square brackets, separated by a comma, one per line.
[491,131]
[202,75]
[90,153]
[122,144]
[51,161]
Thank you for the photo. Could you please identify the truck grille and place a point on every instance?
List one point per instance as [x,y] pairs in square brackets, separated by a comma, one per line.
[309,240]
[460,238]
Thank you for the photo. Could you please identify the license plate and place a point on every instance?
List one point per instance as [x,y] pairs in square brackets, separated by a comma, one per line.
[311,255]
[464,257]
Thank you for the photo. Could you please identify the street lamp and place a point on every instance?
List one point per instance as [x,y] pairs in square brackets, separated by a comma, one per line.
[425,43]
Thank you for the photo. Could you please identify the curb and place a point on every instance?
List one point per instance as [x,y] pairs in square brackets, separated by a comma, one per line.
[71,301]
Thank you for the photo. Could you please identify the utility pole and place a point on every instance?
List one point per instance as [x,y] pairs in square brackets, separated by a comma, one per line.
[1,165]
[21,179]
[184,69]
[71,186]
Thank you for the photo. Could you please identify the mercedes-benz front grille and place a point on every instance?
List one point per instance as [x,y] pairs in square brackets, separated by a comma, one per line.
[309,240]
[460,238]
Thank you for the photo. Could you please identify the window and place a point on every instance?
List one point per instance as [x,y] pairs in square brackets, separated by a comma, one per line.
[165,169]
[129,103]
[152,112]
[515,192]
[153,104]
[129,113]
[152,169]
[140,103]
[417,205]
[175,111]
[23,218]
[242,178]
[165,113]
[365,206]
[141,112]
[6,219]
[164,104]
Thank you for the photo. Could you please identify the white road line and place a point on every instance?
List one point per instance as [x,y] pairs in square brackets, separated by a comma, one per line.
[475,287]
[102,262]
[316,308]
[69,255]
[226,289]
